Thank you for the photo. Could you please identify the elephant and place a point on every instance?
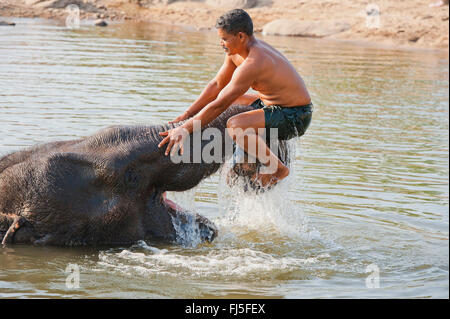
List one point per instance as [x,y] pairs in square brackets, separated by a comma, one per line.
[104,189]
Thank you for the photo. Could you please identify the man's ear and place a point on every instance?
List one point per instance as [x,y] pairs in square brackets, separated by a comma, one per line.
[241,36]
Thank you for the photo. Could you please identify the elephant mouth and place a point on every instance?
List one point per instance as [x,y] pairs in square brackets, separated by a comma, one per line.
[191,229]
[170,204]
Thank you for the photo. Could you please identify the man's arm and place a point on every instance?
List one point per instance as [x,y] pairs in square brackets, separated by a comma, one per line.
[213,88]
[241,81]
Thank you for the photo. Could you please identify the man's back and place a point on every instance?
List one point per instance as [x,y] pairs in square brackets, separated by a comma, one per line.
[277,81]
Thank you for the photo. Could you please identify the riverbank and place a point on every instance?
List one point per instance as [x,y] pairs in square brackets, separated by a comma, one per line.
[411,23]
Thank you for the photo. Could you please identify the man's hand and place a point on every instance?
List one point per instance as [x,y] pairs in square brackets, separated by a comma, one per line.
[175,137]
[180,118]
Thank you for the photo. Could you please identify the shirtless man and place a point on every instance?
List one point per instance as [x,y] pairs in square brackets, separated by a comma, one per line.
[282,102]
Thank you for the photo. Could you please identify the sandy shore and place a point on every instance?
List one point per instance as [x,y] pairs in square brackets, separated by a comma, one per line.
[411,23]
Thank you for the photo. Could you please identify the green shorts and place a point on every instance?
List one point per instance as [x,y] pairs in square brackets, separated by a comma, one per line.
[290,121]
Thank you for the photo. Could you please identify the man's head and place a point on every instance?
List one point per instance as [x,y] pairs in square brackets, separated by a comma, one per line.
[234,28]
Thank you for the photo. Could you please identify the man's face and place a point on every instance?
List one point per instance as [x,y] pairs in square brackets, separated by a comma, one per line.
[229,43]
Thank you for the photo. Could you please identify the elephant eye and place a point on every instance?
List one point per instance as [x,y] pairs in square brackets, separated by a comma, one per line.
[131,178]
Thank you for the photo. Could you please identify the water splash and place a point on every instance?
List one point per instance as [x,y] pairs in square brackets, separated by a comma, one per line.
[272,212]
[189,231]
[268,211]
[232,263]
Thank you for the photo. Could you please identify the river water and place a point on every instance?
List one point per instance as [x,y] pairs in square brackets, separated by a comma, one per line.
[364,213]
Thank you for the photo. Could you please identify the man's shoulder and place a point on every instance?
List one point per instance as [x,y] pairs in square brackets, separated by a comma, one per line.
[261,52]
[257,52]
[258,58]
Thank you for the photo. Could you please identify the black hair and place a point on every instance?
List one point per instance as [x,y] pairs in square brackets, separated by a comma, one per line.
[236,21]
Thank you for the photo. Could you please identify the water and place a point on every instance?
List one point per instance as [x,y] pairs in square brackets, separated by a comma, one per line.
[368,192]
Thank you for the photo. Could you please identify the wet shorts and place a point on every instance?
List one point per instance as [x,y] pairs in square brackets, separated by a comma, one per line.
[290,121]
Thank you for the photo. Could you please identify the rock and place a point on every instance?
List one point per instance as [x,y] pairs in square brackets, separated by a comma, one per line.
[62,4]
[149,3]
[7,23]
[100,23]
[54,3]
[314,29]
[32,2]
[203,28]
[100,16]
[232,4]
[372,11]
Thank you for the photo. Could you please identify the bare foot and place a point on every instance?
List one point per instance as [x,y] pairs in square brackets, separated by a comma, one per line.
[267,180]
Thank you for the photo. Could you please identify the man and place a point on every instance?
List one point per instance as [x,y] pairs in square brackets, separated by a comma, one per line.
[282,102]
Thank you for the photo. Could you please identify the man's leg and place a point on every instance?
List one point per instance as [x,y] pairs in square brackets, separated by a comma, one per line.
[255,145]
[246,99]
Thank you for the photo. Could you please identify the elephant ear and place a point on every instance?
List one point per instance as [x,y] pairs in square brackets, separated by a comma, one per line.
[57,194]
[73,182]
